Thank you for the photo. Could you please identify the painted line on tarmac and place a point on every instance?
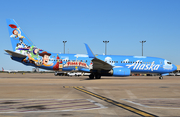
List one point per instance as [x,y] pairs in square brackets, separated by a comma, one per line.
[148,106]
[73,86]
[121,105]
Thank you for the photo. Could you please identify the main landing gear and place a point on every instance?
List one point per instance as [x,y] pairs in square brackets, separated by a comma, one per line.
[96,76]
[160,77]
[91,76]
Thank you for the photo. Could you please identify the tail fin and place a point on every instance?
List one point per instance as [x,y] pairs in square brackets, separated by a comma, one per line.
[89,51]
[2,69]
[17,36]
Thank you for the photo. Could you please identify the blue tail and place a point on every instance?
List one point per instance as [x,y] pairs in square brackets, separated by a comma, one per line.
[18,38]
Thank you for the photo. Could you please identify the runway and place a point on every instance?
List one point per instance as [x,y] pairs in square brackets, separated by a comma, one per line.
[48,95]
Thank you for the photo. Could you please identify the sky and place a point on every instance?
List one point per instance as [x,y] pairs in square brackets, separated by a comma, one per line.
[124,23]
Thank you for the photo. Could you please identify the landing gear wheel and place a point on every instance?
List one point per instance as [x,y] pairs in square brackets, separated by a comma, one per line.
[55,73]
[98,76]
[160,77]
[91,76]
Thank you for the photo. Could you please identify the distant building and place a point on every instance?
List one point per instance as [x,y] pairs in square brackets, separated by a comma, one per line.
[177,72]
[35,69]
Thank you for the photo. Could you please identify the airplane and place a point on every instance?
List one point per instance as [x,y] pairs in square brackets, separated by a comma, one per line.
[9,71]
[25,52]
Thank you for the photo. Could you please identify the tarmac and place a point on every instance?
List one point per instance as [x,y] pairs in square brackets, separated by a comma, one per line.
[44,95]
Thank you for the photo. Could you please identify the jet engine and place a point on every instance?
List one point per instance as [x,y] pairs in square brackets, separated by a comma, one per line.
[120,71]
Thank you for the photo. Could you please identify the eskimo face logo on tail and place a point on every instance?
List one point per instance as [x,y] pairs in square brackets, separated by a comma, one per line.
[138,65]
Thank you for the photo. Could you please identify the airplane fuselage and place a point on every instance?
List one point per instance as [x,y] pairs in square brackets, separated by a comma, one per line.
[82,62]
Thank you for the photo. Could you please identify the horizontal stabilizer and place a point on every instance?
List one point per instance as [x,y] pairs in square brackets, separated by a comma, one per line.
[15,54]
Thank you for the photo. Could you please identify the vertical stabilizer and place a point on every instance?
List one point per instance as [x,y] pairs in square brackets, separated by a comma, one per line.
[89,51]
[18,38]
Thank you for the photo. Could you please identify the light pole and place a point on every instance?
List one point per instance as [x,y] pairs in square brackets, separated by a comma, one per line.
[64,45]
[106,46]
[142,45]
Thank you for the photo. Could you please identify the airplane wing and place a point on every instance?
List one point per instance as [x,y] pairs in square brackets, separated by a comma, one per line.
[97,63]
[15,54]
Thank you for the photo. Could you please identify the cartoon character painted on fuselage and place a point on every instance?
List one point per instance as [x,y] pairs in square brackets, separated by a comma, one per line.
[33,52]
[18,46]
[33,55]
[45,58]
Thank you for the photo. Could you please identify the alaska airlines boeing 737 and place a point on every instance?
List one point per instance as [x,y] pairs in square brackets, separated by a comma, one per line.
[25,52]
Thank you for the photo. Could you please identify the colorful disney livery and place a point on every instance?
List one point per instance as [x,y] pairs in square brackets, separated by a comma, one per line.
[26,52]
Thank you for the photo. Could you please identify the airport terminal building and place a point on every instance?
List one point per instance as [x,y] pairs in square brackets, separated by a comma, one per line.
[177,72]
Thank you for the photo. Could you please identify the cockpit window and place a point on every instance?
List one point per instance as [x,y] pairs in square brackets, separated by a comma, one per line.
[168,62]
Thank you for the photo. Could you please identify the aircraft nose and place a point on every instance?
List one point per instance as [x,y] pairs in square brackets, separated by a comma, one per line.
[174,67]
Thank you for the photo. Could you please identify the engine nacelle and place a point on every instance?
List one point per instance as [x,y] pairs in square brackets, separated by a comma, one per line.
[120,71]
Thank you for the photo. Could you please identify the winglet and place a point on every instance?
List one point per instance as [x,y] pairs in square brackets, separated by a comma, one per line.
[90,53]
